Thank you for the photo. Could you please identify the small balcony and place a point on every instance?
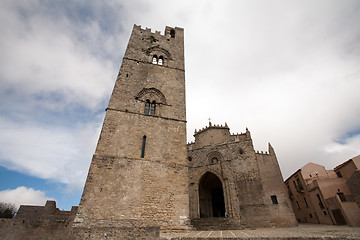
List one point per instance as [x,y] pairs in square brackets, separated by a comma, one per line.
[338,199]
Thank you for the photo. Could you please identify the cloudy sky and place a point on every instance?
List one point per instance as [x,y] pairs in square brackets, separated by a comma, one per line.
[287,70]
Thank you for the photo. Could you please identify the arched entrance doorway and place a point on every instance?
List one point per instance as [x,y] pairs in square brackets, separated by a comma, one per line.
[211,196]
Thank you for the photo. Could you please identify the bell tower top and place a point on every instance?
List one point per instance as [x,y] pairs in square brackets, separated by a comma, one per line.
[166,50]
[151,79]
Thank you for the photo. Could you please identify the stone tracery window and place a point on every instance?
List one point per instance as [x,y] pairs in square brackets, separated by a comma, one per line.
[157,60]
[214,160]
[214,157]
[151,101]
[150,107]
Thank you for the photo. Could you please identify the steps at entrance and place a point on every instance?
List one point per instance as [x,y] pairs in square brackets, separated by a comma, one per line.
[216,224]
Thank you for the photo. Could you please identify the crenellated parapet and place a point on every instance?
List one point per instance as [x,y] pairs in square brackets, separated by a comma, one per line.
[269,152]
[167,32]
[262,153]
[211,126]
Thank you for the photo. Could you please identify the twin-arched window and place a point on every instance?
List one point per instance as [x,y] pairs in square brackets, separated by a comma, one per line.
[150,107]
[158,60]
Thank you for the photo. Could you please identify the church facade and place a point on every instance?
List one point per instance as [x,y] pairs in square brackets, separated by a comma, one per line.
[233,186]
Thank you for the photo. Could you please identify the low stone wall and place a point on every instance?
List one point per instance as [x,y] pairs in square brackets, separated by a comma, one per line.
[38,222]
[112,233]
[40,229]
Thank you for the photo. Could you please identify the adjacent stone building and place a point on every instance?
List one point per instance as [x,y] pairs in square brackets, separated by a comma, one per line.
[326,196]
[38,222]
[231,185]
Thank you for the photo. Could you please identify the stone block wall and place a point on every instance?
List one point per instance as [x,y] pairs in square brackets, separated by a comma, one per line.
[139,173]
[249,179]
[274,187]
[38,222]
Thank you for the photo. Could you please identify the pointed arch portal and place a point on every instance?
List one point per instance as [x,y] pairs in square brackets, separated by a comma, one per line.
[211,196]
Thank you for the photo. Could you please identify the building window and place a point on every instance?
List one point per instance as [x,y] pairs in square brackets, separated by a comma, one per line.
[147,107]
[161,60]
[274,199]
[310,215]
[338,173]
[172,33]
[214,160]
[301,188]
[143,147]
[289,191]
[295,186]
[153,108]
[154,60]
[320,202]
[157,60]
[342,196]
[306,202]
[298,205]
[150,108]
[241,151]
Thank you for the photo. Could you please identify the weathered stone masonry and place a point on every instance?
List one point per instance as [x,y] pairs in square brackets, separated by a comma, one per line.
[138,175]
[250,184]
[144,178]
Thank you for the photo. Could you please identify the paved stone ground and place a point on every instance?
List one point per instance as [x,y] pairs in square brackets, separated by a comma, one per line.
[303,231]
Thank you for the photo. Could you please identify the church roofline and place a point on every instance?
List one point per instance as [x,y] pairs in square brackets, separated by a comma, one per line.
[216,126]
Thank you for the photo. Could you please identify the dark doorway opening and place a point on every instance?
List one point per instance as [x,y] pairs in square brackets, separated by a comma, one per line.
[211,196]
[339,218]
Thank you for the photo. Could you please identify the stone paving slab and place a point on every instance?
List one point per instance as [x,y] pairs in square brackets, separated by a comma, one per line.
[303,231]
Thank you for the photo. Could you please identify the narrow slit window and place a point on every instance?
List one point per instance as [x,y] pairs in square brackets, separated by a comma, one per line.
[320,202]
[306,203]
[274,199]
[143,147]
[153,108]
[147,107]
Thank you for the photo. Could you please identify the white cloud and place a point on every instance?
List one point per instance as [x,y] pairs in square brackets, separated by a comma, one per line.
[49,152]
[45,55]
[23,196]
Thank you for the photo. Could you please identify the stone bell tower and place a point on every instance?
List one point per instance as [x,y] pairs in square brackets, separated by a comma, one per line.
[138,175]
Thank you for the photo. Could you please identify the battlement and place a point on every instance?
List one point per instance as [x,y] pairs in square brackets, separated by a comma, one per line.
[215,126]
[262,153]
[49,211]
[168,32]
[152,47]
[269,152]
[214,134]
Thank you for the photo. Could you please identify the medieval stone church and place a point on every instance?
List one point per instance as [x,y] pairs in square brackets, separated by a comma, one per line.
[143,173]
